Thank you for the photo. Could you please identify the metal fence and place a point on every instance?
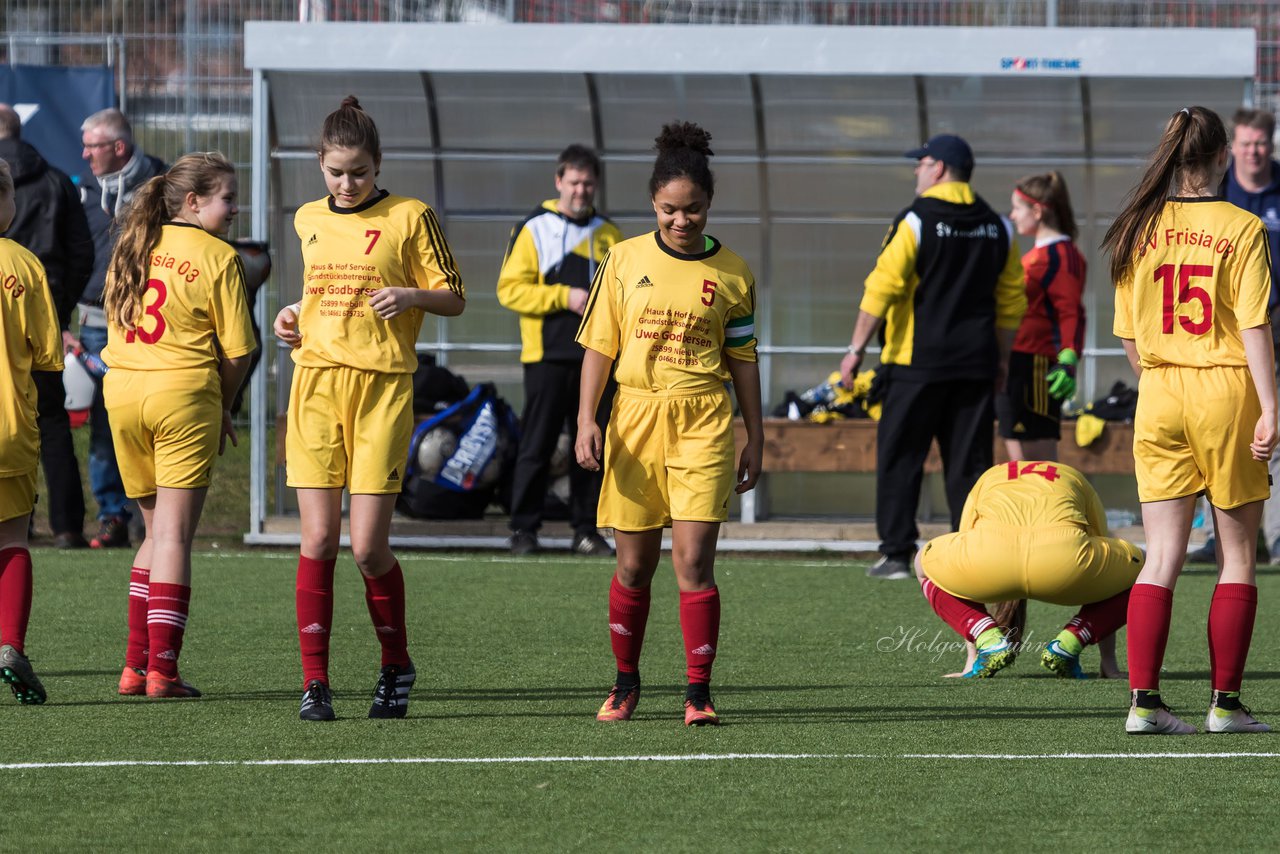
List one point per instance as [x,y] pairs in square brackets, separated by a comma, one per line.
[185,87]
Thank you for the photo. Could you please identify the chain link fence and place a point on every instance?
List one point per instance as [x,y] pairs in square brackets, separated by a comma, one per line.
[185,88]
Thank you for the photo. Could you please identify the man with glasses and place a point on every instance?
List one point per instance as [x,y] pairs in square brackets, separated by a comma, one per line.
[119,167]
[948,289]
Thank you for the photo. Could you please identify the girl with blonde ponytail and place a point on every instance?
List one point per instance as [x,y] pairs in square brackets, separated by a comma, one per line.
[178,346]
[1192,277]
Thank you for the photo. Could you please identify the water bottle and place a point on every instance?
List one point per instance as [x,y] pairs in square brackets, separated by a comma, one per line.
[819,395]
[93,364]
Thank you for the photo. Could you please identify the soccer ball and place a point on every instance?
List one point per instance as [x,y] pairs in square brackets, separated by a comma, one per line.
[560,457]
[436,446]
[255,257]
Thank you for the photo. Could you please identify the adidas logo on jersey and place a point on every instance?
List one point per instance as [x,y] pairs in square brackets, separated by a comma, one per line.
[644,282]
[619,629]
[705,649]
[314,629]
[312,240]
[395,475]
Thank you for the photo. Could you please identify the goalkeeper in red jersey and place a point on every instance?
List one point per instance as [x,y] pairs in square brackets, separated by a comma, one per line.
[1051,335]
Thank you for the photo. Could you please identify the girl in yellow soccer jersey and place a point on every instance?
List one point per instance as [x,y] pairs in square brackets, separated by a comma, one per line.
[1030,529]
[1192,277]
[672,312]
[179,341]
[374,264]
[29,341]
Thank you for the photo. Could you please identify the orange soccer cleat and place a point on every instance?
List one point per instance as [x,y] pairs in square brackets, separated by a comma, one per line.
[160,686]
[698,711]
[620,704]
[133,682]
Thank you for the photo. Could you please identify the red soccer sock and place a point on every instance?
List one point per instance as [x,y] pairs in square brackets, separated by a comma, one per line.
[15,597]
[700,624]
[167,609]
[628,616]
[1231,615]
[1150,610]
[968,618]
[1099,619]
[313,594]
[385,597]
[135,651]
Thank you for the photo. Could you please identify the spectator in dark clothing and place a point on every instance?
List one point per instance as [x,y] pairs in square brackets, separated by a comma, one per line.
[51,225]
[118,167]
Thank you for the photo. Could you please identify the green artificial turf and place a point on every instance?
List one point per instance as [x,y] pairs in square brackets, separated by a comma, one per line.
[513,660]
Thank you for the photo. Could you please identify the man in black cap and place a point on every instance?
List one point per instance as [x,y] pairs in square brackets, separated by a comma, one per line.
[948,290]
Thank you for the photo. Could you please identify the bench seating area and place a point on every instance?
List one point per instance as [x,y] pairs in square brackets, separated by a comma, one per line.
[850,446]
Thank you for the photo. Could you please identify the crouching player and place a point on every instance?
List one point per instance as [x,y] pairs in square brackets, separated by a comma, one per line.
[1030,530]
[30,341]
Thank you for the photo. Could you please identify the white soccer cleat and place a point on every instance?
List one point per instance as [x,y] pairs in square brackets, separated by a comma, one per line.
[1239,719]
[1158,721]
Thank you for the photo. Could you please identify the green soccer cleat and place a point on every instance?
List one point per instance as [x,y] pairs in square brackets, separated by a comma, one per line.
[15,669]
[1061,663]
[991,660]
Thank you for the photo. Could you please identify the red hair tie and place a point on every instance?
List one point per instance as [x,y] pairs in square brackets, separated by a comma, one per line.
[1017,191]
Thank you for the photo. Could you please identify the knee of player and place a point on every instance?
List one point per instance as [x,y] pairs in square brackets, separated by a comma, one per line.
[372,558]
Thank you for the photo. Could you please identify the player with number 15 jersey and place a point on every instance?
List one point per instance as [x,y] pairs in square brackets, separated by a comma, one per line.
[1202,276]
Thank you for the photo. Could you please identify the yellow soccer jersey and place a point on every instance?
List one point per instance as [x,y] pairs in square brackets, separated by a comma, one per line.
[195,303]
[1034,494]
[666,318]
[31,341]
[1204,275]
[388,241]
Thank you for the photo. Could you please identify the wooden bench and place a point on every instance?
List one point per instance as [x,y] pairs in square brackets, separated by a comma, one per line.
[850,446]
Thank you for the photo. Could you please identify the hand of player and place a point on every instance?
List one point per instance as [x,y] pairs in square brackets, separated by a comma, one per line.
[286,327]
[70,344]
[849,368]
[1062,377]
[228,432]
[390,302]
[588,449]
[1264,437]
[749,466]
[577,300]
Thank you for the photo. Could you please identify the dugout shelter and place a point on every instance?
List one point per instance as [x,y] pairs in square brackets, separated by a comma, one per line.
[809,124]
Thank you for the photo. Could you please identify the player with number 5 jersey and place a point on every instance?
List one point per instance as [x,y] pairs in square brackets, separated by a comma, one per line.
[1030,530]
[179,340]
[1192,276]
[374,265]
[672,314]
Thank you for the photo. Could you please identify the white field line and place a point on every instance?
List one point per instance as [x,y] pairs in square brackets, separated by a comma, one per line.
[693,757]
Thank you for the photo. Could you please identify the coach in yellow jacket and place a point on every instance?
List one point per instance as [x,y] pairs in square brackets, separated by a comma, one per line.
[948,288]
[545,278]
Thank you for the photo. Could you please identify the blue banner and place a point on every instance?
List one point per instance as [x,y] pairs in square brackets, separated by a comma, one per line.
[53,101]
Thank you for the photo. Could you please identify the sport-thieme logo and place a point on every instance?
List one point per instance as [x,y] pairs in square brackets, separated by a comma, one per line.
[1041,63]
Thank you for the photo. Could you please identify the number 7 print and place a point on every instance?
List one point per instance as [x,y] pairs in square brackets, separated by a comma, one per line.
[375,234]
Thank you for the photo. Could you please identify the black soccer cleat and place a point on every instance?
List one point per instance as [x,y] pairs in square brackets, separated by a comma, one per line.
[391,696]
[317,702]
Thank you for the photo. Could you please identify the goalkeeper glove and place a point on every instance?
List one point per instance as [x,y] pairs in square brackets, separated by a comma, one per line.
[1062,378]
